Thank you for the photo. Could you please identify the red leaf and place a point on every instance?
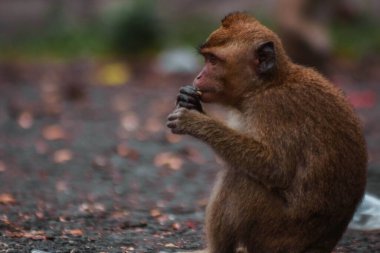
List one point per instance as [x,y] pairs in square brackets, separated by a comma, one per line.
[169,160]
[7,199]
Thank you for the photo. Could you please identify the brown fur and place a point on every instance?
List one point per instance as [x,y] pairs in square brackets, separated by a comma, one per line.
[296,167]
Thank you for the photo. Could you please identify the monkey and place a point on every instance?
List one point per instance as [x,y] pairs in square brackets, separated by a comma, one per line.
[295,167]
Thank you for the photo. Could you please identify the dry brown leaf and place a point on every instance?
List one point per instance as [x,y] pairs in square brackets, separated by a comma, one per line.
[168,159]
[91,208]
[170,245]
[100,161]
[25,120]
[53,133]
[119,215]
[127,249]
[34,235]
[124,151]
[73,232]
[7,199]
[191,224]
[176,226]
[155,213]
[40,215]
[62,156]
[62,219]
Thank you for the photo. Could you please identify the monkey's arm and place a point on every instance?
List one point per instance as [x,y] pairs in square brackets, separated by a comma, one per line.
[240,151]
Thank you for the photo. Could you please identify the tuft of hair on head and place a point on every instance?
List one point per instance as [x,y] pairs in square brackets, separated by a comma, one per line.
[236,18]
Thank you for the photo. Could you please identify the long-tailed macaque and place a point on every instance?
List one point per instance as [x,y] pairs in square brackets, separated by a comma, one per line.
[296,166]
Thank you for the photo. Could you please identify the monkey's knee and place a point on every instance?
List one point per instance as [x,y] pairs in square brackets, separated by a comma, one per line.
[221,243]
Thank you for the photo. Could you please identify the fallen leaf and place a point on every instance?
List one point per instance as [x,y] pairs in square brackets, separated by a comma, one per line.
[163,219]
[34,235]
[62,219]
[119,215]
[125,249]
[53,133]
[62,156]
[155,213]
[25,120]
[191,224]
[39,215]
[176,226]
[73,232]
[125,151]
[168,159]
[7,199]
[91,208]
[170,245]
[100,161]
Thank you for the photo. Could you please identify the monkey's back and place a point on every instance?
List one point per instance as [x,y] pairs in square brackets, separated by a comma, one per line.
[318,145]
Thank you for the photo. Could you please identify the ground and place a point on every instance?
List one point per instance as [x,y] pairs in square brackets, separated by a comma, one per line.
[86,164]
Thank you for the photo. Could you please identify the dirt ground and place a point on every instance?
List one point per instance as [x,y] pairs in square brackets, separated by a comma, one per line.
[87,165]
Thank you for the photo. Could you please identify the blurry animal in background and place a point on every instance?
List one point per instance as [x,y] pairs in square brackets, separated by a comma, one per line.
[303,26]
[295,168]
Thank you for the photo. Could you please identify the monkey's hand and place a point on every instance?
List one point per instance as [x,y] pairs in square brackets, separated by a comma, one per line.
[185,121]
[189,98]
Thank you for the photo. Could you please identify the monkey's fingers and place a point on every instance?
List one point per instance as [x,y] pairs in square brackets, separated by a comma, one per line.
[191,91]
[172,116]
[171,124]
[174,127]
[189,106]
[187,98]
[189,102]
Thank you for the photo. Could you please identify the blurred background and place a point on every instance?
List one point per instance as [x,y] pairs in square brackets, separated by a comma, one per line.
[86,85]
[88,28]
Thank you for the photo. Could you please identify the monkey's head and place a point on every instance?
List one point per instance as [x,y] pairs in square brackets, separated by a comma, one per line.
[240,56]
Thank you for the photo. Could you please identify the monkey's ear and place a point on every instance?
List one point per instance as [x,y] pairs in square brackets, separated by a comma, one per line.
[266,59]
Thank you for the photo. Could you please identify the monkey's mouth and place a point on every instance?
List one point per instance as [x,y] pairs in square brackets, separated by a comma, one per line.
[208,95]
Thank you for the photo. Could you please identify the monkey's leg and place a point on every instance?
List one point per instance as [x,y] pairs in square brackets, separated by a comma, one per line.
[220,238]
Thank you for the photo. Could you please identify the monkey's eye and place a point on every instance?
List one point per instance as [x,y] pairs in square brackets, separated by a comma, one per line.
[211,59]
